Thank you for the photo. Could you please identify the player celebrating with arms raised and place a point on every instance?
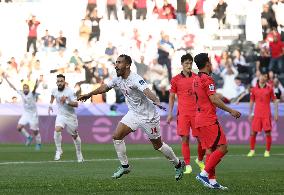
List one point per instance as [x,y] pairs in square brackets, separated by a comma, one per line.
[262,94]
[142,113]
[66,116]
[30,115]
[181,85]
[211,134]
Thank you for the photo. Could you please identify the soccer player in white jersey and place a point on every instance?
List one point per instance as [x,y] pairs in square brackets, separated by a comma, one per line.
[66,117]
[142,113]
[30,115]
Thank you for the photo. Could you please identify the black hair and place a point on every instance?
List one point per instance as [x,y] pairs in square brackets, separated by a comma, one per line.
[201,60]
[185,57]
[126,58]
[60,76]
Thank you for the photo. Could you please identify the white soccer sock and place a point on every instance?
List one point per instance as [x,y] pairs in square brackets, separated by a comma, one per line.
[57,140]
[38,138]
[24,132]
[204,173]
[212,181]
[169,154]
[120,149]
[77,143]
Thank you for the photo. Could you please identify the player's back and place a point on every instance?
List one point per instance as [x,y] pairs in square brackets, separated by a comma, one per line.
[182,86]
[203,87]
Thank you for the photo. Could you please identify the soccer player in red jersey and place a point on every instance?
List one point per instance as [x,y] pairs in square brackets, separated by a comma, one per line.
[181,85]
[211,134]
[261,95]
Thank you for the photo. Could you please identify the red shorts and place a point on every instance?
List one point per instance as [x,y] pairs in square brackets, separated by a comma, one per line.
[184,123]
[259,124]
[212,136]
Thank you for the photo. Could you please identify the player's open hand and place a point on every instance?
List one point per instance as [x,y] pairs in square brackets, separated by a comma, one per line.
[250,117]
[169,118]
[84,97]
[235,113]
[63,99]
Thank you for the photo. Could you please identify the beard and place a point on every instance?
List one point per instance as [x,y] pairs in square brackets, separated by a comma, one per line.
[61,88]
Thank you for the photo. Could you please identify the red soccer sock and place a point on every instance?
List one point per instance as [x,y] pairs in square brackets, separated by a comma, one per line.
[252,142]
[211,174]
[268,142]
[200,152]
[214,159]
[185,152]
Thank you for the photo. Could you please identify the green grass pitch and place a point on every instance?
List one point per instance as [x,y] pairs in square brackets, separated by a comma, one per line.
[25,171]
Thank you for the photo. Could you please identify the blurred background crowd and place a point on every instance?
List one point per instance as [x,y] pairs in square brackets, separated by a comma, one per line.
[82,39]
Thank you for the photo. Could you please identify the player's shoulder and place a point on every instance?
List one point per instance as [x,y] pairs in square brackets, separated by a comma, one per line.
[54,91]
[205,77]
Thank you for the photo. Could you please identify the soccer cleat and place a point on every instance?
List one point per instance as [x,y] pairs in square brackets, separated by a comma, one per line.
[37,147]
[29,140]
[266,153]
[120,171]
[218,186]
[58,155]
[204,180]
[180,170]
[80,158]
[200,164]
[188,169]
[251,153]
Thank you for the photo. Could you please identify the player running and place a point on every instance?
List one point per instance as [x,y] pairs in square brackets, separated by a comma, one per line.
[181,85]
[261,95]
[66,117]
[211,134]
[142,113]
[30,114]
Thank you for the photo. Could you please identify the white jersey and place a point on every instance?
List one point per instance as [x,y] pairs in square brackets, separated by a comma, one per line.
[29,102]
[132,88]
[64,109]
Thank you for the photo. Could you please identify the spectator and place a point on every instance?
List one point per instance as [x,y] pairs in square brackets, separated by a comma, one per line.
[268,20]
[32,37]
[199,12]
[277,88]
[156,73]
[111,51]
[141,67]
[277,52]
[167,11]
[92,4]
[141,9]
[162,91]
[240,62]
[181,13]
[263,59]
[61,41]
[225,60]
[75,59]
[111,8]
[127,8]
[220,13]
[48,42]
[85,30]
[165,51]
[95,30]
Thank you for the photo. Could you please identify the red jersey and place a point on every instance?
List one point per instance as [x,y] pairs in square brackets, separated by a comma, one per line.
[33,28]
[276,49]
[262,98]
[204,86]
[182,86]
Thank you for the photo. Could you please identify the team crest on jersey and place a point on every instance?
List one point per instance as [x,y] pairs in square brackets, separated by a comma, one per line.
[142,82]
[211,87]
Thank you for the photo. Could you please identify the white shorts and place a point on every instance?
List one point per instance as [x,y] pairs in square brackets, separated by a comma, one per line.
[71,123]
[30,119]
[150,127]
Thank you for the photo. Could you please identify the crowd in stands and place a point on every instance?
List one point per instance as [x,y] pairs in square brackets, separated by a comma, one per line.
[155,33]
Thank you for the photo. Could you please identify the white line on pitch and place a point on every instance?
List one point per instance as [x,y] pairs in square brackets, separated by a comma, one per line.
[108,159]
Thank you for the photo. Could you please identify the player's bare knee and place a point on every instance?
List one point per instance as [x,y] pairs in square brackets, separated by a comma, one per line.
[185,139]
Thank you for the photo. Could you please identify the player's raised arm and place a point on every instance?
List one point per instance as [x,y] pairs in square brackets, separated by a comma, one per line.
[10,84]
[35,87]
[220,104]
[102,89]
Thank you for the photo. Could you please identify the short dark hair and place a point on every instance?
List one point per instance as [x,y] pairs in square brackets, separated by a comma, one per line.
[25,84]
[60,76]
[126,58]
[201,60]
[185,57]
